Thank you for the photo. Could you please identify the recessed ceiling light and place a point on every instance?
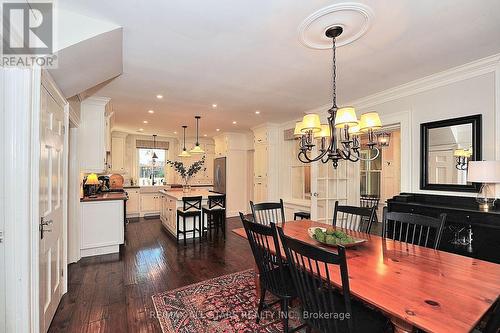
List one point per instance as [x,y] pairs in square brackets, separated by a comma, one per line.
[159,96]
[218,129]
[141,129]
[145,121]
[214,106]
[234,122]
[257,112]
[151,111]
[175,132]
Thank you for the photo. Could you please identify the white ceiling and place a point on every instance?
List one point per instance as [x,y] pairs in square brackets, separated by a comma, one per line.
[245,55]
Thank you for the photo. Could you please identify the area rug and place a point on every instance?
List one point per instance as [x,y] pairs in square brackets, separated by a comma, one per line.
[223,304]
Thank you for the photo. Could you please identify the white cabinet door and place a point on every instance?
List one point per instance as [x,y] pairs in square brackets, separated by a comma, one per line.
[92,135]
[260,161]
[133,201]
[118,154]
[260,190]
[147,203]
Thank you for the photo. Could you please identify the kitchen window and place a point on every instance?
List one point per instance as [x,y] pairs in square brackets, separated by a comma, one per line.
[147,172]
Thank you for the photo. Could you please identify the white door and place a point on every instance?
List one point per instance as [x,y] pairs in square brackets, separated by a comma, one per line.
[329,185]
[442,167]
[51,206]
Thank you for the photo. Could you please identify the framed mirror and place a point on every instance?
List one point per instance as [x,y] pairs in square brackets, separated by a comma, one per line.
[446,147]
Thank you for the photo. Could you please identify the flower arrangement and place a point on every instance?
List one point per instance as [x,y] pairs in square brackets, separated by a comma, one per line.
[187,172]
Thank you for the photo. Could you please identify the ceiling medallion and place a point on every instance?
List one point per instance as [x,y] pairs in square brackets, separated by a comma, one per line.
[354,18]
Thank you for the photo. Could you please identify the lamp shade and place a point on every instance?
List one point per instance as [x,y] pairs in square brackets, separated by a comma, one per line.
[369,120]
[92,179]
[460,153]
[184,153]
[354,130]
[298,129]
[487,172]
[346,116]
[311,122]
[197,150]
[324,133]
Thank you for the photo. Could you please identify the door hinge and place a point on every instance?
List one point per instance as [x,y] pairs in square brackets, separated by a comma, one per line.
[62,272]
[63,130]
[1,236]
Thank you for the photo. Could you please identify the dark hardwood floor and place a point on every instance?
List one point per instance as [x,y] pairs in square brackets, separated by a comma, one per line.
[112,293]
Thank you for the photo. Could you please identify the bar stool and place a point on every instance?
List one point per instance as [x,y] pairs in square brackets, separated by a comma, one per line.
[302,215]
[215,210]
[191,207]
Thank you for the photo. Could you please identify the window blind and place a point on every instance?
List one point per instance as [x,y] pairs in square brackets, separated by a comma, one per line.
[149,144]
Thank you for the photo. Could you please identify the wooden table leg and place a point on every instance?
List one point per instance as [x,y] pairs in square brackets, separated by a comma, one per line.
[257,284]
[401,326]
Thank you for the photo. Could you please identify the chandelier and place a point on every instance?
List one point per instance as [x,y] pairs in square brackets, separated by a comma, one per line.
[340,139]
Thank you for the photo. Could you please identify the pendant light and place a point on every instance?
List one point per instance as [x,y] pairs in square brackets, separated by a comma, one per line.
[197,149]
[155,157]
[184,152]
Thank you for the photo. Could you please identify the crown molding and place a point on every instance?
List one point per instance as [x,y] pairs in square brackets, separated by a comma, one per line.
[449,76]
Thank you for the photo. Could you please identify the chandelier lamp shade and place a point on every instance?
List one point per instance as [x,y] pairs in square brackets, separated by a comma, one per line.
[339,138]
[184,152]
[462,158]
[197,149]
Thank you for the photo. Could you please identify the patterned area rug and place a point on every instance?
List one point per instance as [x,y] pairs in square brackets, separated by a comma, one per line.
[224,304]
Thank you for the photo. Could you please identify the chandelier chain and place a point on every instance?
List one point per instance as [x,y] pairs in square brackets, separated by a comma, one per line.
[334,75]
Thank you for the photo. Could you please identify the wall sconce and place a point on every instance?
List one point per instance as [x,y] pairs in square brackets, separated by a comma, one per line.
[384,139]
[462,156]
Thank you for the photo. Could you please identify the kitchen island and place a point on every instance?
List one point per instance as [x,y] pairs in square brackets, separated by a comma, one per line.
[171,200]
[102,223]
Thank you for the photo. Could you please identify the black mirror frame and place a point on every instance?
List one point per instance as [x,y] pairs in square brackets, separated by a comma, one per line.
[476,122]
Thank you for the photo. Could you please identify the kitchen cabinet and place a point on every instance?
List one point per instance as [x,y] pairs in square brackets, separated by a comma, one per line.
[266,167]
[133,207]
[102,227]
[150,203]
[93,133]
[118,150]
[168,212]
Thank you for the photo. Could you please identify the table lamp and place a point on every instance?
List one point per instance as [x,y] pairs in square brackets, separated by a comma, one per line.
[92,180]
[486,173]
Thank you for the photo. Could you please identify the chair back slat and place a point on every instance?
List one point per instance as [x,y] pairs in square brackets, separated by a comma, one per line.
[263,241]
[354,218]
[217,201]
[311,269]
[191,202]
[268,212]
[413,228]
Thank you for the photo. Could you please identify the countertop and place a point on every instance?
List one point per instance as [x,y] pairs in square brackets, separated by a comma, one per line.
[160,186]
[106,197]
[179,193]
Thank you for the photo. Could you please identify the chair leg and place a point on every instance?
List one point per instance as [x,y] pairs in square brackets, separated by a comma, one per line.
[184,228]
[222,217]
[284,313]
[177,234]
[261,304]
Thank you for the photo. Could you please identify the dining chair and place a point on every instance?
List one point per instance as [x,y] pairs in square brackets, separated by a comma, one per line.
[324,308]
[354,218]
[191,207]
[215,211]
[273,271]
[268,212]
[369,201]
[413,228]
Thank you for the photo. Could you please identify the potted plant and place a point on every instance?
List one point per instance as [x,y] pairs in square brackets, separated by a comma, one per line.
[187,173]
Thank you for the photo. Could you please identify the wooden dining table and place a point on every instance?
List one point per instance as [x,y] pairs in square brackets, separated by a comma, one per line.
[414,286]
